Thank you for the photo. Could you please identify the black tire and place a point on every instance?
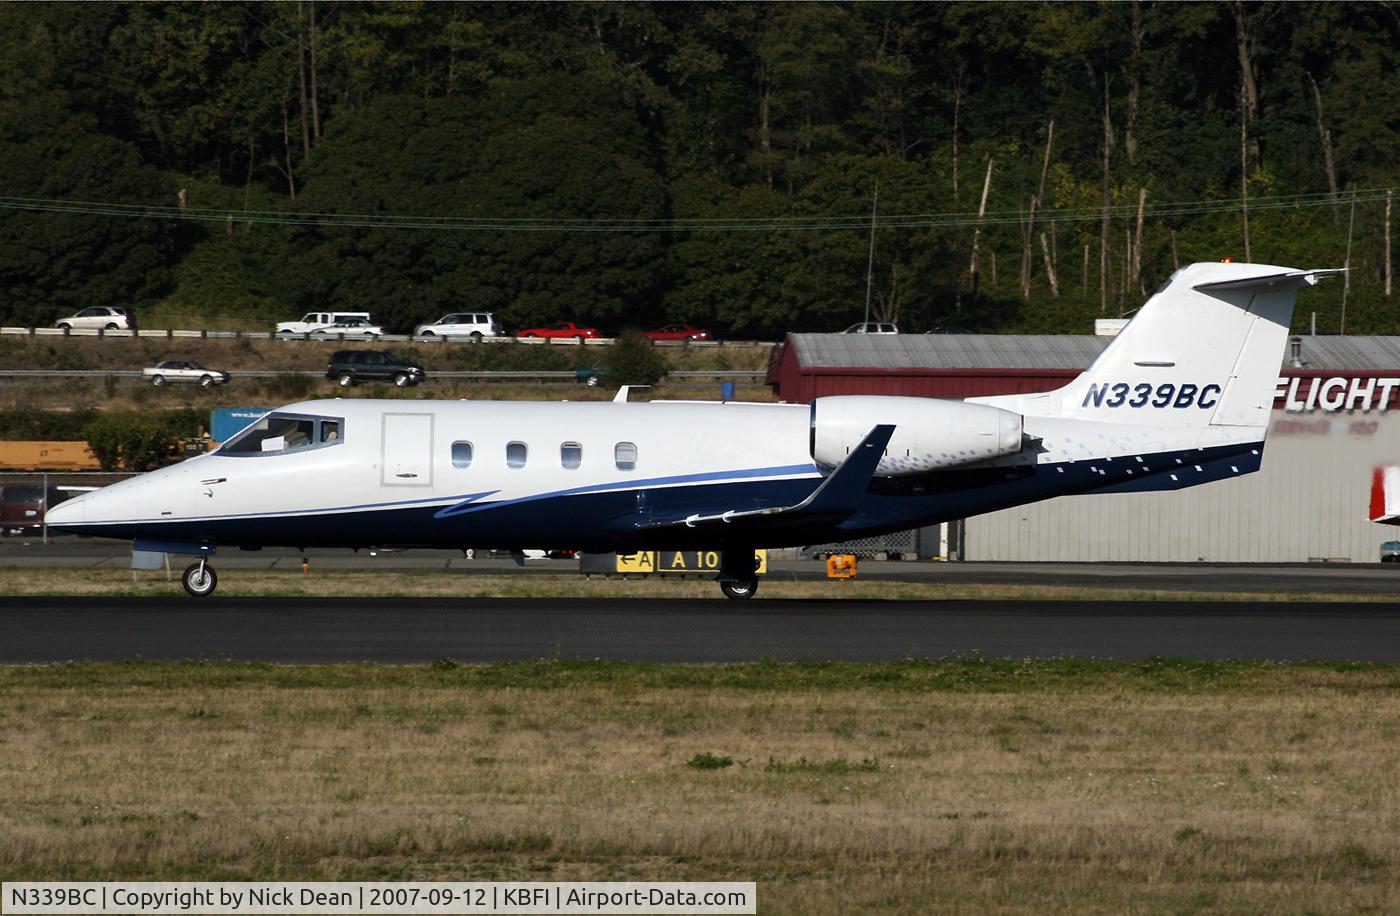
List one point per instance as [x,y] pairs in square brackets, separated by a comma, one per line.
[739,589]
[345,380]
[427,334]
[476,336]
[531,336]
[402,380]
[592,381]
[197,584]
[206,381]
[112,326]
[157,380]
[579,340]
[64,326]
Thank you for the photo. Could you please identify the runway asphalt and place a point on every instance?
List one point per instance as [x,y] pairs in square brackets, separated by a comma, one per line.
[47,629]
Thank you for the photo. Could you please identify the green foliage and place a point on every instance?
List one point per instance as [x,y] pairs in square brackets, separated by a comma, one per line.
[726,117]
[27,424]
[138,441]
[632,360]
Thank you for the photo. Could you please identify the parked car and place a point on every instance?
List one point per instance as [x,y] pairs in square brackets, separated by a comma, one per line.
[314,321]
[560,329]
[462,324]
[677,332]
[184,370]
[1390,552]
[108,318]
[948,329]
[350,327]
[350,367]
[22,507]
[872,327]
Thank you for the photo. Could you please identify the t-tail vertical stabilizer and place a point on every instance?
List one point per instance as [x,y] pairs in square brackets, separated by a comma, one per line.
[1205,350]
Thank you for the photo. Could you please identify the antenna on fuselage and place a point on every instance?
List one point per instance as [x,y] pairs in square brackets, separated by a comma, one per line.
[621,396]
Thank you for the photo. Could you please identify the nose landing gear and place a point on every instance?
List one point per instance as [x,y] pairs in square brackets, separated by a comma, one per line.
[199,579]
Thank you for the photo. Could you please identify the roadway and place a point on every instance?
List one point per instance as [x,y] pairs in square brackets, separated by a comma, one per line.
[49,629]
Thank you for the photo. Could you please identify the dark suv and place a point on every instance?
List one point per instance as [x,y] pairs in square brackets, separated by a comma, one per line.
[350,367]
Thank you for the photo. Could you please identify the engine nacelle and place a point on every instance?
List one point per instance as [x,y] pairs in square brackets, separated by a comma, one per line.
[930,434]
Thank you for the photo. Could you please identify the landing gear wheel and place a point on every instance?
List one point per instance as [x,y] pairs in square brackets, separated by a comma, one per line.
[738,588]
[199,579]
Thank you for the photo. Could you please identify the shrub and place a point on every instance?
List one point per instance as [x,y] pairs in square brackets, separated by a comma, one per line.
[707,761]
[632,360]
[139,441]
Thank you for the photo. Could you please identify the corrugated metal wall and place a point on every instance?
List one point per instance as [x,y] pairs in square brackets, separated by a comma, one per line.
[1308,501]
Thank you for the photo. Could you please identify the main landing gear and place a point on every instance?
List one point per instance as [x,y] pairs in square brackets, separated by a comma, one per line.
[737,573]
[199,578]
[738,588]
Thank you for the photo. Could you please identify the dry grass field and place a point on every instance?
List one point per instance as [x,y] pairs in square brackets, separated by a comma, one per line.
[442,583]
[960,786]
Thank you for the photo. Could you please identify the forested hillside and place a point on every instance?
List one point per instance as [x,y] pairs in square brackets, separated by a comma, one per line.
[1027,167]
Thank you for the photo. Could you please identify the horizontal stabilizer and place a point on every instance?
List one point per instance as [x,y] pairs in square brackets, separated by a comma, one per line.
[1288,279]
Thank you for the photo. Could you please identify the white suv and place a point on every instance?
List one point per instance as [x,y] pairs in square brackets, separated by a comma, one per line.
[100,316]
[315,321]
[461,324]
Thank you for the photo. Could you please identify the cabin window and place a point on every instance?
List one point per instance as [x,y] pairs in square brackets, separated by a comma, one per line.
[330,431]
[625,454]
[571,455]
[461,454]
[516,453]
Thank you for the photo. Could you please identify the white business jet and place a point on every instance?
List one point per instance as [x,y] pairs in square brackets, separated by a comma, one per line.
[1181,397]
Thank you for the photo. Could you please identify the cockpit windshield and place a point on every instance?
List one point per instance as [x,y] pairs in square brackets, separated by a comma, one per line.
[280,433]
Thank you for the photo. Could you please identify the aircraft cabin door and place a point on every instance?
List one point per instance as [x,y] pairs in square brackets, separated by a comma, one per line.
[408,450]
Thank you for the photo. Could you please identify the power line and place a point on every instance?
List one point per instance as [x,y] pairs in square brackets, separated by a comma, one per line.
[809,222]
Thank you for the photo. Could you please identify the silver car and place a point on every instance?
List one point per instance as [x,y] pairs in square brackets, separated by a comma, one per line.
[184,370]
[350,327]
[872,327]
[461,324]
[107,318]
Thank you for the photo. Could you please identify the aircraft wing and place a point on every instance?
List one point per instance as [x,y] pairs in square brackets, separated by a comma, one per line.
[837,497]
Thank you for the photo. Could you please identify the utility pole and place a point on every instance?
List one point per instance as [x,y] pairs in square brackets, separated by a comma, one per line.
[870,261]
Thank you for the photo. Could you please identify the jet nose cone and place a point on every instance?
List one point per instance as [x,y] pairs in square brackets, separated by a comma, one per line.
[68,512]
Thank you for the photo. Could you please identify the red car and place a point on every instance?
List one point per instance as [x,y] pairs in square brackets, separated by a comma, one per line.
[677,332]
[560,329]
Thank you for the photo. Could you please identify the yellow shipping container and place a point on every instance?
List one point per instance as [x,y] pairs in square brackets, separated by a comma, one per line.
[47,456]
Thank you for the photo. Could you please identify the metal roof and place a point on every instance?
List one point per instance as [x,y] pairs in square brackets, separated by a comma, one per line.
[1045,351]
